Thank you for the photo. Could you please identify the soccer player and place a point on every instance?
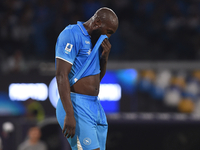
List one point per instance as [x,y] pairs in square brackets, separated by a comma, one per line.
[79,111]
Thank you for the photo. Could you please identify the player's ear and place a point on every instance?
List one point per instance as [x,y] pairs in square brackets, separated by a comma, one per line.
[97,23]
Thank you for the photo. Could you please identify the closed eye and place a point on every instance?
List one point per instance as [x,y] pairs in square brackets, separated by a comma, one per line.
[110,32]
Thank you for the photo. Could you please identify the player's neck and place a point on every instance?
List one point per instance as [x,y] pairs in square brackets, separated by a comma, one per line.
[87,26]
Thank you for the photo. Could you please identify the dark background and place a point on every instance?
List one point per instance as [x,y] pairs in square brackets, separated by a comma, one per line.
[153,36]
[148,29]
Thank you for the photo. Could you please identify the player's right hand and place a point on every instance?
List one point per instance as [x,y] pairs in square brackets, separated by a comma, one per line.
[69,126]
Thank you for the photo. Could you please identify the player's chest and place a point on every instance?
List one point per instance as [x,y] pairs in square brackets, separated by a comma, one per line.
[85,47]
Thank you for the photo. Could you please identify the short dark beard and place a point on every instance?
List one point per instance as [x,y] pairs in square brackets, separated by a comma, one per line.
[95,36]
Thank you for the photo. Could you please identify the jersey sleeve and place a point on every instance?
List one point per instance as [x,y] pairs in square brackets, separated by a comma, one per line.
[66,48]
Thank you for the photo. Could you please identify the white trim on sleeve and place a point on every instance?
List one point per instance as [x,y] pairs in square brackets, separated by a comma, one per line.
[64,60]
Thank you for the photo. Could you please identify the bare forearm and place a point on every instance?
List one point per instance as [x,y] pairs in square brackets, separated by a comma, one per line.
[64,91]
[104,57]
[103,64]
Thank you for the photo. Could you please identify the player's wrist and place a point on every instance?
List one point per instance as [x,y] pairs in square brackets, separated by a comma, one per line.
[69,112]
[104,57]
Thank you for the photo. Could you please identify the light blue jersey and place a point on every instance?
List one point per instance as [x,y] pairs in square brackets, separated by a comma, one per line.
[74,46]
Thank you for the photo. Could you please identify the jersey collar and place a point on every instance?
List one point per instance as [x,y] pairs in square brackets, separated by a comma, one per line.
[80,24]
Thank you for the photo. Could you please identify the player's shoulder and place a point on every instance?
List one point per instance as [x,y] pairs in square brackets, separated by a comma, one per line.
[73,29]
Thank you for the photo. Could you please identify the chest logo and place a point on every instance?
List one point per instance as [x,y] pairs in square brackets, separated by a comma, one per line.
[87,42]
[68,48]
[89,51]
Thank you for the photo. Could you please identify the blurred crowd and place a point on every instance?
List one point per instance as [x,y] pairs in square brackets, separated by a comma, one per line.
[148,29]
[33,141]
[169,91]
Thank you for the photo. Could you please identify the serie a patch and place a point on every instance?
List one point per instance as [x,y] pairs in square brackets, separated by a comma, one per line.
[68,48]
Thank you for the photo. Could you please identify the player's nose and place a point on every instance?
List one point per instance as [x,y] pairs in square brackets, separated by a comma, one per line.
[108,35]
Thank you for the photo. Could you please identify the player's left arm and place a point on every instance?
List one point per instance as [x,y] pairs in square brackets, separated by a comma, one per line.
[104,56]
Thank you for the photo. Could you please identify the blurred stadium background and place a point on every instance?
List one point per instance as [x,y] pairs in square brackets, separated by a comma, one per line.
[151,91]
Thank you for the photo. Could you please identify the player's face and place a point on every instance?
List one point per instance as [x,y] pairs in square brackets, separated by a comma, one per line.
[108,29]
[103,29]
